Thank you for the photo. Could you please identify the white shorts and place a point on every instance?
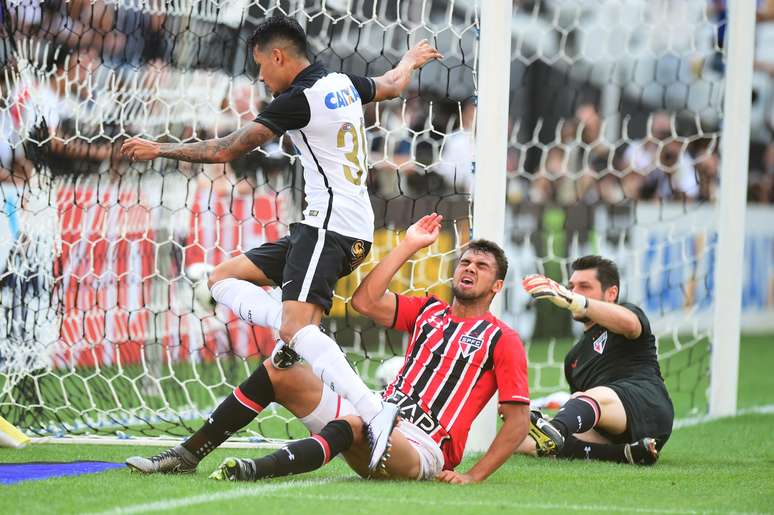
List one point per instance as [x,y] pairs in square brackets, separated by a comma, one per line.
[332,406]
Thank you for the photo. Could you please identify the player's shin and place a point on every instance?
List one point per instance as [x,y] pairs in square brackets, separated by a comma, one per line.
[295,458]
[578,415]
[331,366]
[249,302]
[642,452]
[235,412]
[575,449]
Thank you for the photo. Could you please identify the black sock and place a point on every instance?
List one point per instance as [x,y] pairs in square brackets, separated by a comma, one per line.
[307,454]
[575,449]
[235,412]
[578,415]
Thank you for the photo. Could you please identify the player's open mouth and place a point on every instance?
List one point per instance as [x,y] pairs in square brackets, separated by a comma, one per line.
[467,281]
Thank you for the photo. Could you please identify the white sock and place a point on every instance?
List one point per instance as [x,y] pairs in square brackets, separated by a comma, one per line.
[250,302]
[332,367]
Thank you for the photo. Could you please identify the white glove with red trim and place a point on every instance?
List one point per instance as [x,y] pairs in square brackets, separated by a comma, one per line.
[541,287]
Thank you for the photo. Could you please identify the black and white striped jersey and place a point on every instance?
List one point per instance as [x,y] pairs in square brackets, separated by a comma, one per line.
[322,113]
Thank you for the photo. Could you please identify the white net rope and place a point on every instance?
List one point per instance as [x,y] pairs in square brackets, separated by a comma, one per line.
[617,155]
[130,348]
[102,328]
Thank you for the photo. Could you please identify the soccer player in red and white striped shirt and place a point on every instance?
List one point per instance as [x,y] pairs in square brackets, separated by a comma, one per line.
[459,354]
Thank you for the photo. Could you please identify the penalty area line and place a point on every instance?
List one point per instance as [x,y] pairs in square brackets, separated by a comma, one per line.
[228,495]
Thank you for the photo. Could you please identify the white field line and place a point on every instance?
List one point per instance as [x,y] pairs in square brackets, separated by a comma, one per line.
[516,505]
[228,495]
[703,419]
[276,490]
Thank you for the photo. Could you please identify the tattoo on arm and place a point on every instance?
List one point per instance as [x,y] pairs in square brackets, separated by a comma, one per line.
[219,150]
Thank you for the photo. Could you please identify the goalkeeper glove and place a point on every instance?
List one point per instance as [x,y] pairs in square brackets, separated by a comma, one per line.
[541,287]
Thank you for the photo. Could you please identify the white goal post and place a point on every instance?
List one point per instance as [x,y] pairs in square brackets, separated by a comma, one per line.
[735,145]
[493,81]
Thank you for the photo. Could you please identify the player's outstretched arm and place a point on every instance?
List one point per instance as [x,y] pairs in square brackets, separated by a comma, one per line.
[513,431]
[217,150]
[371,298]
[609,315]
[392,83]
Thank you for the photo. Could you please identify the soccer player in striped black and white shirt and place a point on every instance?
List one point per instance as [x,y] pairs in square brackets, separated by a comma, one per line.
[321,112]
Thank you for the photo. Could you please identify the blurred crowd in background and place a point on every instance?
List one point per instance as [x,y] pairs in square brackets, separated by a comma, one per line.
[88,57]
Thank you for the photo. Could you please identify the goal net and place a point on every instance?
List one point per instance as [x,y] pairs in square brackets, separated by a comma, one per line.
[614,150]
[103,326]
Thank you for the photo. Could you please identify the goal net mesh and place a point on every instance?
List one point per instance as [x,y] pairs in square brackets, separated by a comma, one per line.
[614,150]
[103,326]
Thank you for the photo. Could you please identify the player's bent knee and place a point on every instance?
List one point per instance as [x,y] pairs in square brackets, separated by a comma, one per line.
[602,394]
[298,316]
[291,327]
[218,274]
[288,331]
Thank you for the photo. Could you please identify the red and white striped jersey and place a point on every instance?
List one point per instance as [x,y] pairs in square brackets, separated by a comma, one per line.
[452,368]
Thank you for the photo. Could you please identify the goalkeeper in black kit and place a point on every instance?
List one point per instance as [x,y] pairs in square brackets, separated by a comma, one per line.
[620,409]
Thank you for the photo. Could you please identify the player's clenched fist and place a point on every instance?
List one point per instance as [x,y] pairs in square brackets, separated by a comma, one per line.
[541,287]
[138,149]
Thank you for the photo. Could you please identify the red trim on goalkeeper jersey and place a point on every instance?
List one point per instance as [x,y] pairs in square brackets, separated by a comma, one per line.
[453,366]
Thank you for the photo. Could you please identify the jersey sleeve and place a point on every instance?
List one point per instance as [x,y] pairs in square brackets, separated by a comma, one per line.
[288,111]
[510,369]
[407,310]
[365,86]
[641,316]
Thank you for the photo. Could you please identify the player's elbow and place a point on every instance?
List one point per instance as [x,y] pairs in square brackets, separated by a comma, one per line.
[631,327]
[361,303]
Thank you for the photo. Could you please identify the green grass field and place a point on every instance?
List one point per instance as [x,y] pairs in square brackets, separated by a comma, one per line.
[721,466]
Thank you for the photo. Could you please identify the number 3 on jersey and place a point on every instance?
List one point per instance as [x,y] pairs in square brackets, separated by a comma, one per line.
[353,156]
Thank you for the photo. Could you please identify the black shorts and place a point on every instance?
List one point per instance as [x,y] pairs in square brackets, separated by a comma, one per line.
[649,410]
[307,263]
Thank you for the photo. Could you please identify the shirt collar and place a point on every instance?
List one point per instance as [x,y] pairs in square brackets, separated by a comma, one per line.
[309,70]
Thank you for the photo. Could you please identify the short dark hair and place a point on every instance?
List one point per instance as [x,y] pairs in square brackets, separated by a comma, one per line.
[607,271]
[276,27]
[490,247]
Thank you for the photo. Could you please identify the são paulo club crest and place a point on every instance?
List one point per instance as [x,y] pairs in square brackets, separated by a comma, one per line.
[599,343]
[470,344]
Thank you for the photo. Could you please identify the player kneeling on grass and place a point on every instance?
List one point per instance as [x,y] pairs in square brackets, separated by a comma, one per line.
[457,357]
[620,409]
